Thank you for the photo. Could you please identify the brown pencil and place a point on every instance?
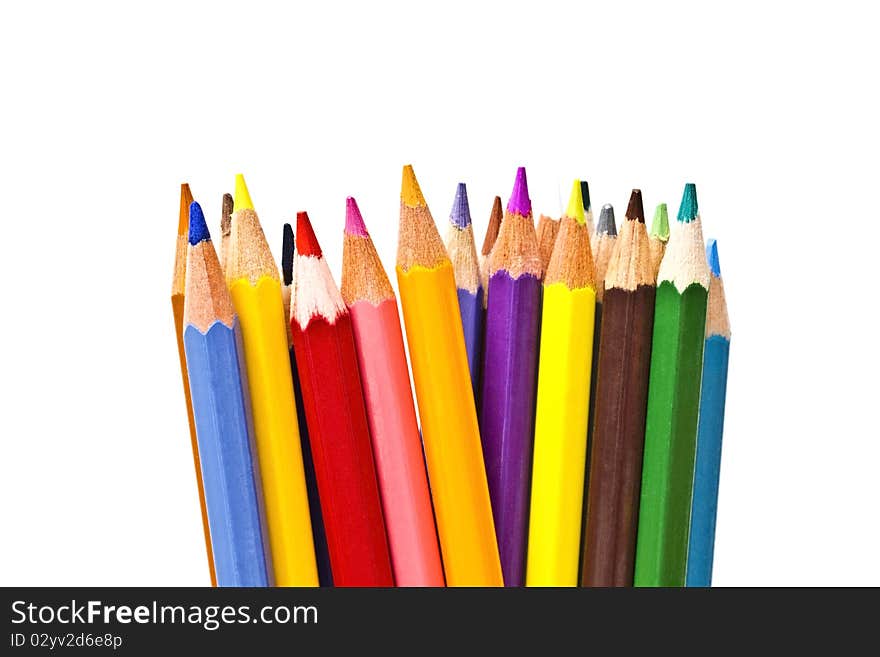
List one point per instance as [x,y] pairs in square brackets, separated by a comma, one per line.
[548,229]
[225,229]
[621,404]
[488,242]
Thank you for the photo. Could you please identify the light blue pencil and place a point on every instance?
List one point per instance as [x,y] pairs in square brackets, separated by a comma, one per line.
[224,430]
[701,545]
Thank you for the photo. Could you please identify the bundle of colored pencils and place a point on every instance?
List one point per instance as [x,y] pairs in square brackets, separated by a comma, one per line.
[570,383]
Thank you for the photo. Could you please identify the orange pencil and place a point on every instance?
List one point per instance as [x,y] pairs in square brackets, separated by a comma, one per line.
[391,413]
[178,288]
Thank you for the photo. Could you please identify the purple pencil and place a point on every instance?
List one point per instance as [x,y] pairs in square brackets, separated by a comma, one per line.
[509,376]
[463,254]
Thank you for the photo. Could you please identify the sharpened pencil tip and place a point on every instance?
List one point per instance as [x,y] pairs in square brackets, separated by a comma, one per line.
[585,193]
[576,204]
[688,210]
[287,254]
[186,199]
[495,218]
[306,242]
[198,228]
[354,222]
[635,211]
[242,196]
[712,257]
[410,192]
[660,225]
[519,202]
[606,224]
[460,215]
[226,215]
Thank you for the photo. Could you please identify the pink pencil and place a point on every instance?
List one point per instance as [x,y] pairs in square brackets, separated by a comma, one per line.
[391,413]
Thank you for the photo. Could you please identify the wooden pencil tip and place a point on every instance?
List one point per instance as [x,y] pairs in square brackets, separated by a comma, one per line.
[576,204]
[242,199]
[492,229]
[354,222]
[287,254]
[519,202]
[660,224]
[198,227]
[585,193]
[712,257]
[635,211]
[460,215]
[306,242]
[606,224]
[410,192]
[226,214]
[186,199]
[688,210]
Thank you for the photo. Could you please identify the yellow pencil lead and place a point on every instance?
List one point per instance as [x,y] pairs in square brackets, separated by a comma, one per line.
[576,204]
[242,196]
[410,192]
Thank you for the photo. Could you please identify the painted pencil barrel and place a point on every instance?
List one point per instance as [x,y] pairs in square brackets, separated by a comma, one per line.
[708,462]
[397,448]
[450,432]
[618,437]
[508,410]
[177,309]
[229,472]
[341,451]
[275,426]
[322,555]
[670,435]
[560,436]
[471,307]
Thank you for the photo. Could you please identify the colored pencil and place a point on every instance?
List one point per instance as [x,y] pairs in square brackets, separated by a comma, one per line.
[624,359]
[178,296]
[255,287]
[562,408]
[659,236]
[225,229]
[323,342]
[212,341]
[710,428]
[510,361]
[322,555]
[463,254]
[391,413]
[673,403]
[450,432]
[547,229]
[495,218]
[588,206]
[602,245]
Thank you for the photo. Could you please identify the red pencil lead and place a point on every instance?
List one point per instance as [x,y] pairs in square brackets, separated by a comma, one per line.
[306,242]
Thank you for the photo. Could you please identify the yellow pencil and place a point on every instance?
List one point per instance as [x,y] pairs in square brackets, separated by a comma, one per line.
[562,406]
[450,432]
[252,277]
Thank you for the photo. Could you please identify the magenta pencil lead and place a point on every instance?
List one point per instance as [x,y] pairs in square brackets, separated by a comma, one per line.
[519,202]
[354,222]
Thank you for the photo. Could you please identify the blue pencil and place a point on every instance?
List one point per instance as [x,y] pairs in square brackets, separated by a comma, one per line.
[701,546]
[463,254]
[224,430]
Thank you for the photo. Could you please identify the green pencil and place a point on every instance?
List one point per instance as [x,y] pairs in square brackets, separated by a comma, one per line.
[673,402]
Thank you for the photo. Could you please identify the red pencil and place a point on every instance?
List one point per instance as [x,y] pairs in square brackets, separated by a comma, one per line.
[323,341]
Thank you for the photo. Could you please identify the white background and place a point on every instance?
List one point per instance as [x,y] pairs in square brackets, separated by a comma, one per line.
[771,109]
